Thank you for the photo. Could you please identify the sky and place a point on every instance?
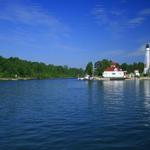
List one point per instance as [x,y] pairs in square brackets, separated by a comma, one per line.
[74,32]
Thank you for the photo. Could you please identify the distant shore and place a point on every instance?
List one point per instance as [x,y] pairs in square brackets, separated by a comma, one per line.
[14,79]
[28,78]
[134,78]
[95,78]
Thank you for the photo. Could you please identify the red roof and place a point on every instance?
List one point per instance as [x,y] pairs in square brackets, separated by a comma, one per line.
[113,68]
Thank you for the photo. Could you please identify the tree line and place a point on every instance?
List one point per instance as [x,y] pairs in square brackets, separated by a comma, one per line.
[15,67]
[98,68]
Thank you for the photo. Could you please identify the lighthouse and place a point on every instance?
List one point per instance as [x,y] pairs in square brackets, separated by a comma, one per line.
[147,59]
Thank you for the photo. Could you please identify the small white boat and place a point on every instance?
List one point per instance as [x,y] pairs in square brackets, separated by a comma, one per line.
[80,78]
[87,77]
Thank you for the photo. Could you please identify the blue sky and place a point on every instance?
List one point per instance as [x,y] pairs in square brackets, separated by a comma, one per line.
[74,32]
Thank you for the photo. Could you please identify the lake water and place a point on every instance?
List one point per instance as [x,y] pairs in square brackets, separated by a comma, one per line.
[66,114]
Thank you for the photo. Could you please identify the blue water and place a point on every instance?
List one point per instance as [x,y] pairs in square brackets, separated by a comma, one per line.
[74,115]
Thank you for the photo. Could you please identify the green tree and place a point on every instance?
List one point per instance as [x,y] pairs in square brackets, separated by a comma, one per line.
[100,66]
[89,69]
[12,66]
[141,67]
[124,66]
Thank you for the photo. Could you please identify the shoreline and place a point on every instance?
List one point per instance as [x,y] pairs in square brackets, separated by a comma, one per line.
[134,78]
[15,79]
[27,78]
[95,78]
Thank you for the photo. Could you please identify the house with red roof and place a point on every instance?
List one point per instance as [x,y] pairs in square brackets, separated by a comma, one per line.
[113,72]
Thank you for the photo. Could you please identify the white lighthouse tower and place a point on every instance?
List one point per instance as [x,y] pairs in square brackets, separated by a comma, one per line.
[147,59]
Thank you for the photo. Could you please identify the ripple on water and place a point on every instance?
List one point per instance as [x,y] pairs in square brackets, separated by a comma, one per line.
[68,114]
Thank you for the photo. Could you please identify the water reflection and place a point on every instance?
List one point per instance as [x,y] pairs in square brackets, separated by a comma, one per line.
[147,94]
[137,88]
[90,93]
[95,94]
[113,94]
[113,89]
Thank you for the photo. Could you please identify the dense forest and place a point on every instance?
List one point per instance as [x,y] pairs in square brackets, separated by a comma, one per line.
[101,65]
[14,67]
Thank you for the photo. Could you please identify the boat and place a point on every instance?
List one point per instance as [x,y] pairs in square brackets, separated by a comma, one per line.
[80,78]
[87,77]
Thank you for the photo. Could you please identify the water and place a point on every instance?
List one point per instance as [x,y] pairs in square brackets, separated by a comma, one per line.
[74,115]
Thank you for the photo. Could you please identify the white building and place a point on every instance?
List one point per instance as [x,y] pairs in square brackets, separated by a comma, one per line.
[113,72]
[147,59]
